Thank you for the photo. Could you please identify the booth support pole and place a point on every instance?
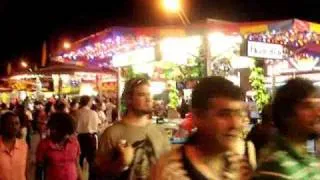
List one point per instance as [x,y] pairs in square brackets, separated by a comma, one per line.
[119,92]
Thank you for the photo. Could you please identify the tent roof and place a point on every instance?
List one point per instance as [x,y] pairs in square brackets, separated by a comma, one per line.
[69,69]
[209,24]
[279,25]
[196,28]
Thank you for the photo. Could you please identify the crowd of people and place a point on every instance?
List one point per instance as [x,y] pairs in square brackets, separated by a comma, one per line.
[55,140]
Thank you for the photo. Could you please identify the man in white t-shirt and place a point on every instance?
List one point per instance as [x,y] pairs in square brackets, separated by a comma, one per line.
[87,125]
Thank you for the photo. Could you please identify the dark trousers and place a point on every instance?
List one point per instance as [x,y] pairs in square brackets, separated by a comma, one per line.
[88,145]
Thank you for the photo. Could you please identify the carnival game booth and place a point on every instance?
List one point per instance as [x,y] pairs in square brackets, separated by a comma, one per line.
[27,84]
[289,49]
[62,79]
[77,80]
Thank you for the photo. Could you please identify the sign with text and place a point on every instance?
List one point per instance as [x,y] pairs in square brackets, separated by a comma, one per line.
[265,50]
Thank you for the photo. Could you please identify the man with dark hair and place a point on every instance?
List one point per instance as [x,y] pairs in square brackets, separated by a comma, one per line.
[128,149]
[13,151]
[217,107]
[60,106]
[87,124]
[59,153]
[295,112]
[3,108]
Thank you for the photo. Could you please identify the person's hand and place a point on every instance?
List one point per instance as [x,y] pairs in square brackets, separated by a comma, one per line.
[246,170]
[238,167]
[175,170]
[126,152]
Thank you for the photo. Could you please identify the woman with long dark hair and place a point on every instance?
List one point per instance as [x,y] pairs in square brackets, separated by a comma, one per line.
[59,153]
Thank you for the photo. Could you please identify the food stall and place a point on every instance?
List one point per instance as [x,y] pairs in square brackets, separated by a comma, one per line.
[62,79]
[289,49]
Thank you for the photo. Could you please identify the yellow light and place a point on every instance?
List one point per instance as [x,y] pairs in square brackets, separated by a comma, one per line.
[24,64]
[66,45]
[87,89]
[172,5]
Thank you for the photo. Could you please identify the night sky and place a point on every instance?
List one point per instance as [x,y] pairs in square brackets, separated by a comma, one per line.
[25,25]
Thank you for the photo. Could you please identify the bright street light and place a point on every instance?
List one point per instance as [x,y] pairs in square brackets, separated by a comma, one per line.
[24,64]
[66,45]
[172,5]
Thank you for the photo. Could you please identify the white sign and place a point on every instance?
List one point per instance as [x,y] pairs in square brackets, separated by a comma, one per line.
[135,57]
[265,50]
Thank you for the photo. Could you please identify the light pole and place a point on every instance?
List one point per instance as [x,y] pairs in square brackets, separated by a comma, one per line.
[174,6]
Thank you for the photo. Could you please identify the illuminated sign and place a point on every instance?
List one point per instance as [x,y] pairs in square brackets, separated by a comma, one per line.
[138,56]
[265,50]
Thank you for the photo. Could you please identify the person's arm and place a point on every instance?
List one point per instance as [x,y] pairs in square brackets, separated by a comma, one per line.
[77,162]
[112,158]
[27,164]
[252,157]
[79,170]
[96,120]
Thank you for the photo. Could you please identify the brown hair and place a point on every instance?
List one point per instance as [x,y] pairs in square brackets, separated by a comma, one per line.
[130,87]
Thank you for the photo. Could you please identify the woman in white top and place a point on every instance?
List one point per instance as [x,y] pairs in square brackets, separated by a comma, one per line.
[109,106]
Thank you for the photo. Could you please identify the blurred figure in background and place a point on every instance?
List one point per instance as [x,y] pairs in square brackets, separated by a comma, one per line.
[87,122]
[101,107]
[110,107]
[262,133]
[74,106]
[61,106]
[4,108]
[59,153]
[296,114]
[184,106]
[13,151]
[39,133]
[212,151]
[25,123]
[49,108]
[39,114]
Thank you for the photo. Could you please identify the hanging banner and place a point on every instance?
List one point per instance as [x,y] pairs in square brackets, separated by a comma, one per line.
[315,27]
[253,29]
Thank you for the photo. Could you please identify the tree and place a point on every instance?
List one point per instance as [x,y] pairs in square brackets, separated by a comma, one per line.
[257,81]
